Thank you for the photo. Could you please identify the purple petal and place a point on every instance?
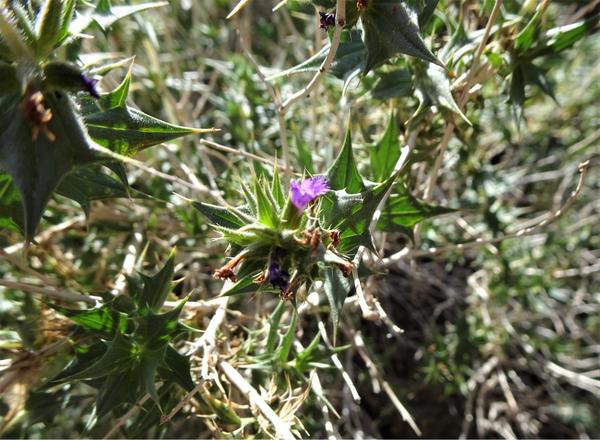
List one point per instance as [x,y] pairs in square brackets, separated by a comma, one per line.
[302,193]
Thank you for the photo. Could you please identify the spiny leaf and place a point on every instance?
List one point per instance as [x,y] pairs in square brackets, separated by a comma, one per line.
[350,57]
[386,152]
[427,12]
[119,355]
[176,367]
[48,26]
[288,338]
[525,39]
[106,17]
[274,321]
[344,174]
[391,28]
[119,388]
[149,362]
[395,84]
[352,215]
[219,215]
[68,10]
[126,130]
[101,319]
[37,162]
[156,330]
[402,211]
[117,97]
[276,189]
[337,288]
[560,38]
[158,286]
[24,20]
[85,184]
[267,212]
[433,82]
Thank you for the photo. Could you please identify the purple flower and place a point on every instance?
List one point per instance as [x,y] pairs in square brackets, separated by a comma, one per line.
[277,277]
[89,84]
[302,193]
[326,19]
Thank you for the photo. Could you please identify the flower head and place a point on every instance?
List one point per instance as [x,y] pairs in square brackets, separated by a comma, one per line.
[326,19]
[277,277]
[302,193]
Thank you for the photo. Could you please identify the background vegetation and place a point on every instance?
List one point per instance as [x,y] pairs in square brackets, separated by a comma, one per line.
[479,314]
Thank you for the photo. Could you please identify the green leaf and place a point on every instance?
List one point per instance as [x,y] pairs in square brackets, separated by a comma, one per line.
[402,211]
[48,26]
[105,17]
[288,338]
[343,174]
[350,57]
[395,84]
[120,353]
[427,12]
[119,388]
[267,211]
[561,38]
[527,36]
[337,288]
[158,286]
[241,286]
[37,164]
[176,367]
[274,321]
[149,361]
[219,215]
[85,184]
[24,21]
[535,75]
[277,189]
[126,130]
[433,81]
[118,96]
[85,357]
[11,205]
[391,28]
[386,152]
[156,330]
[101,319]
[68,10]
[351,214]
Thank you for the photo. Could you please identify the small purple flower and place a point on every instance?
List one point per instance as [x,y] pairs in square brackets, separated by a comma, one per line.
[277,277]
[326,19]
[302,193]
[89,84]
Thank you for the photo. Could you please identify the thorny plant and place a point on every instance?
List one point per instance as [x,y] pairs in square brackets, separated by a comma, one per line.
[311,230]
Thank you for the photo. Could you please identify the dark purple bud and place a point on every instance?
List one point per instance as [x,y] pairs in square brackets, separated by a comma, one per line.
[277,277]
[326,19]
[89,84]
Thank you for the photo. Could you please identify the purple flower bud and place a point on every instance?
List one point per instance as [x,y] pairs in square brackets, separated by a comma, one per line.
[302,193]
[326,19]
[277,277]
[89,84]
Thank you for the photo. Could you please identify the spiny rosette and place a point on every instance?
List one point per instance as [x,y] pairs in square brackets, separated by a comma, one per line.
[277,243]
